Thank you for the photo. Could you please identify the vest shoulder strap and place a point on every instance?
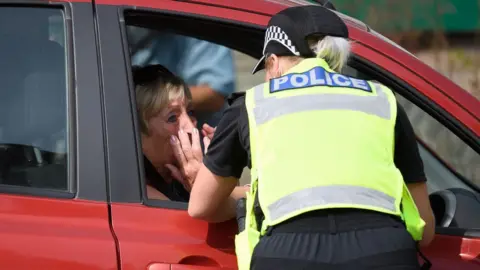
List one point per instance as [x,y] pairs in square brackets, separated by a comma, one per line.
[250,104]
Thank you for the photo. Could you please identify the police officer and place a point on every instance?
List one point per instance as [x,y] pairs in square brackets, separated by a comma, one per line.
[325,3]
[334,161]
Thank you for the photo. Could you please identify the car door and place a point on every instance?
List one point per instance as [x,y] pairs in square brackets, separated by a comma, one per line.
[151,234]
[447,133]
[160,235]
[53,199]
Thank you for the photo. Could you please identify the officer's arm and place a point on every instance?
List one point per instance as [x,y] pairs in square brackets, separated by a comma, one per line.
[420,196]
[213,198]
[215,189]
[409,162]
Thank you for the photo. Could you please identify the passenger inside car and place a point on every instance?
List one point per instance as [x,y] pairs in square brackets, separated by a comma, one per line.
[164,108]
[171,158]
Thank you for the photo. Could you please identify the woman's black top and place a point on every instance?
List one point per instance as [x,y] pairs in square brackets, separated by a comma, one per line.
[174,191]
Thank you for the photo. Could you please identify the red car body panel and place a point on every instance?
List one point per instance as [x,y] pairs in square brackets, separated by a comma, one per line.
[39,233]
[456,101]
[191,7]
[76,234]
[68,1]
[454,252]
[151,236]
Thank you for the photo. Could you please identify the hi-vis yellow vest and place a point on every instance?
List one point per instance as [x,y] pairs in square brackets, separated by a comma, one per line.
[322,140]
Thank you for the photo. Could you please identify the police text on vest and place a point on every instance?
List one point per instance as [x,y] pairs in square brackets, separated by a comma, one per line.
[317,76]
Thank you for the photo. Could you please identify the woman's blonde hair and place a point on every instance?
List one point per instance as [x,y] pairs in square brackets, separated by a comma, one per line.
[155,87]
[334,50]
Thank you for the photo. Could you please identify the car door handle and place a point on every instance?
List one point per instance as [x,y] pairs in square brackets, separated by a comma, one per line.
[159,266]
[166,266]
[194,267]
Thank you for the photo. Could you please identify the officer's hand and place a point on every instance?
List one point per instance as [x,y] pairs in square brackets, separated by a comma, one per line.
[189,157]
[207,132]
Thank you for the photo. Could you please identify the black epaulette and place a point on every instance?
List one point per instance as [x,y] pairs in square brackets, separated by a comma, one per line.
[232,97]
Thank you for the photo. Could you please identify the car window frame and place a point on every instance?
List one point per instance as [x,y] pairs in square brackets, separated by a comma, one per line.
[176,205]
[426,105]
[160,15]
[70,105]
[420,141]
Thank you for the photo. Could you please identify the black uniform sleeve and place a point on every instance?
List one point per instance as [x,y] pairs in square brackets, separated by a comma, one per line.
[407,157]
[226,155]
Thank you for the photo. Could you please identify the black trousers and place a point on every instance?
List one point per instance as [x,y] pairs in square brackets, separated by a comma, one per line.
[347,241]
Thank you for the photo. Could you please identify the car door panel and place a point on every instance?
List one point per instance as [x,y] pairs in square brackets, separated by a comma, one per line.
[191,267]
[155,235]
[161,235]
[40,233]
[162,266]
[453,252]
[159,266]
[150,234]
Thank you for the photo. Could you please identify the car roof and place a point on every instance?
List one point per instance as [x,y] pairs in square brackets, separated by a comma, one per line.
[270,7]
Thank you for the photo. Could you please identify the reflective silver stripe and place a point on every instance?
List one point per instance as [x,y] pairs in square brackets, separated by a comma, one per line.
[270,108]
[328,195]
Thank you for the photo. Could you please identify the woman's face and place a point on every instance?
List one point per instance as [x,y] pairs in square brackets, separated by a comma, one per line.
[177,115]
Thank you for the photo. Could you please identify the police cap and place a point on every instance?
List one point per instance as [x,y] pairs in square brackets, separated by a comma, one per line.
[288,30]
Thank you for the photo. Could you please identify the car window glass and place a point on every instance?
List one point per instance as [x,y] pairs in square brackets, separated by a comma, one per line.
[445,145]
[456,154]
[186,57]
[33,93]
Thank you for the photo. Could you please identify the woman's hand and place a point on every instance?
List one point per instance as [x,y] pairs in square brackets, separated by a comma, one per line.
[189,156]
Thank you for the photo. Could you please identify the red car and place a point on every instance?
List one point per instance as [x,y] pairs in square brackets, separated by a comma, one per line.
[72,190]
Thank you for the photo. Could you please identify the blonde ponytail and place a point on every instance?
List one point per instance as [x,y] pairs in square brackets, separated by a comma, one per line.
[334,50]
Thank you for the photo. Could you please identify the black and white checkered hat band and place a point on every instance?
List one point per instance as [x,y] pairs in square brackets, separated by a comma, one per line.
[275,33]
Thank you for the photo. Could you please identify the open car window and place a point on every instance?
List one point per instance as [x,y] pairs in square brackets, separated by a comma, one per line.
[148,46]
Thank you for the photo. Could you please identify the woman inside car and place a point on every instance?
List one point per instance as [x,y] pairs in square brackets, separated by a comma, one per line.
[163,104]
[170,140]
